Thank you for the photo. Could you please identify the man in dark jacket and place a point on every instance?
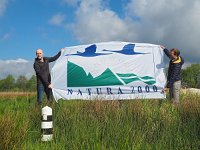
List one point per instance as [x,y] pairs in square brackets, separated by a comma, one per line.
[41,66]
[174,73]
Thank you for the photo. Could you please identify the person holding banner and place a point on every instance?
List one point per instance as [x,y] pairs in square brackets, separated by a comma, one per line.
[41,67]
[174,73]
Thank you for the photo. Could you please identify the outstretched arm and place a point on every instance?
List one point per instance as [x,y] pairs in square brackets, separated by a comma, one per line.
[165,50]
[51,59]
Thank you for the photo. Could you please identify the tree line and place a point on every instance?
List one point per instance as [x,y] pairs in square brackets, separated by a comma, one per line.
[18,85]
[190,79]
[191,76]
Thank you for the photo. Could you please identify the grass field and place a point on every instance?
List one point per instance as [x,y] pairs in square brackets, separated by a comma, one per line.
[99,125]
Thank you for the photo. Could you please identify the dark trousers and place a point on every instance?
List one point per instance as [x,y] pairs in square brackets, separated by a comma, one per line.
[40,91]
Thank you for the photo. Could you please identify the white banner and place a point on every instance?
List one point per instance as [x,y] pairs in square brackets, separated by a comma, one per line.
[110,71]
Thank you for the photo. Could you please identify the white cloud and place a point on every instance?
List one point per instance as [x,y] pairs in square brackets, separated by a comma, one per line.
[3,4]
[173,23]
[16,68]
[170,23]
[57,19]
[94,23]
[19,61]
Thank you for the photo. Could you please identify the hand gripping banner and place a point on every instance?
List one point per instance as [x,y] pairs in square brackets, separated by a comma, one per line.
[109,71]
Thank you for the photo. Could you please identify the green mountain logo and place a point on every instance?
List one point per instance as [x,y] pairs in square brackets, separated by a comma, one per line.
[77,77]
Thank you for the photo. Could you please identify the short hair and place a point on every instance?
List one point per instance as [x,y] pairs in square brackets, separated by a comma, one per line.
[39,49]
[176,51]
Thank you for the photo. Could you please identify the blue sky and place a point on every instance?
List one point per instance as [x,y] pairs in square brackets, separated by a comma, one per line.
[26,25]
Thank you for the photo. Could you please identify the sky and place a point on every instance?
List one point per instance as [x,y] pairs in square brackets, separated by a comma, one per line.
[26,25]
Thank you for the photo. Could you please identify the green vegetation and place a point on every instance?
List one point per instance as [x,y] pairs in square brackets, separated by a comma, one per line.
[136,124]
[18,85]
[190,79]
[99,125]
[191,76]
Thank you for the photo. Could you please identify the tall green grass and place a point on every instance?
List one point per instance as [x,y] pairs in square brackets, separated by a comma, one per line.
[136,124]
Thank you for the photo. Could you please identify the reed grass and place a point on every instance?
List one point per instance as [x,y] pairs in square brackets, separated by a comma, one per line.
[99,125]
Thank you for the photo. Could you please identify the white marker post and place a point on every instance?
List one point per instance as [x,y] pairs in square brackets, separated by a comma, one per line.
[47,124]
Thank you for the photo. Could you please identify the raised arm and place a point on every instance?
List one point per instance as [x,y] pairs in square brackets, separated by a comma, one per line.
[166,51]
[51,59]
